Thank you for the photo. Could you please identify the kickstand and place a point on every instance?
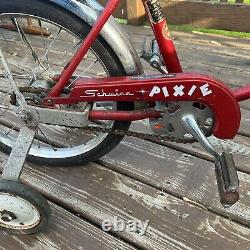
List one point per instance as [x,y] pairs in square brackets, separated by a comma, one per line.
[18,155]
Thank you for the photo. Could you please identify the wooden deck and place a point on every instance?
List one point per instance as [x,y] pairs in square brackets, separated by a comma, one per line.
[172,185]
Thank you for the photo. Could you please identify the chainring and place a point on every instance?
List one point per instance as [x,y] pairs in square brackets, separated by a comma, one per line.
[172,113]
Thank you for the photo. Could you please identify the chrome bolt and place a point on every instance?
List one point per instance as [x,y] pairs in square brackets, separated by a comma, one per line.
[24,117]
[49,102]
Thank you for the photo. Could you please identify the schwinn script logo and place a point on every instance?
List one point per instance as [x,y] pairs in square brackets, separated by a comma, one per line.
[102,93]
[178,90]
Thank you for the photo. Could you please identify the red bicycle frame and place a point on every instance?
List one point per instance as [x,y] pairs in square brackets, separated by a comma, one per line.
[161,32]
[168,51]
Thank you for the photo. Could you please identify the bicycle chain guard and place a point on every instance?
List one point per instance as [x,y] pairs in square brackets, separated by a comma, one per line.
[165,88]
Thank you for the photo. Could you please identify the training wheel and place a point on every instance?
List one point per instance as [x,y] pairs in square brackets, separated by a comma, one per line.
[22,209]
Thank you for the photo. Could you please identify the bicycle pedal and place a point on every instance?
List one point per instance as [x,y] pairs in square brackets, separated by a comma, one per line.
[227,179]
[226,174]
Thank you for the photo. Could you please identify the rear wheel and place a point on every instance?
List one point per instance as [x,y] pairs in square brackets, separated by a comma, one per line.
[36,54]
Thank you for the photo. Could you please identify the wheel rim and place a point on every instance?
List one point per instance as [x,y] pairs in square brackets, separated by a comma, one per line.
[17,213]
[49,150]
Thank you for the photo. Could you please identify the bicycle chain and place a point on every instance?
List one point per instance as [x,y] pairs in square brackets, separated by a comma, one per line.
[32,90]
[152,137]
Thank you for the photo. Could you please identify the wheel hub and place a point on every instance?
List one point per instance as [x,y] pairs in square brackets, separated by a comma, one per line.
[29,116]
[7,216]
[17,213]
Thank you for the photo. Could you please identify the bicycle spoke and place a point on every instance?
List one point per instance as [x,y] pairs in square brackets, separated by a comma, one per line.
[15,127]
[47,140]
[44,45]
[50,46]
[5,111]
[33,58]
[16,76]
[25,40]
[38,138]
[59,59]
[82,74]
[18,66]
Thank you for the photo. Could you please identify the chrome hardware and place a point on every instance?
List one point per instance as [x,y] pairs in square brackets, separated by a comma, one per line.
[226,174]
[151,53]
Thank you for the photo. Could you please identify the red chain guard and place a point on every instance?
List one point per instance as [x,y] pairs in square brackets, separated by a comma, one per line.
[172,87]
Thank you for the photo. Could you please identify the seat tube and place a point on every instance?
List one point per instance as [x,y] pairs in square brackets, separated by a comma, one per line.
[162,35]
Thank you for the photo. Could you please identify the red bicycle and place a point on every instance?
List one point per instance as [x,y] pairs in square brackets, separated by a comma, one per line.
[67,115]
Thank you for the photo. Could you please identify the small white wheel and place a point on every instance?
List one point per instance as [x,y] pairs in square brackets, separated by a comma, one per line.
[22,210]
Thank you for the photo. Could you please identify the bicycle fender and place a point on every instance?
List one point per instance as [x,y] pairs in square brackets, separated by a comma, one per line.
[112,33]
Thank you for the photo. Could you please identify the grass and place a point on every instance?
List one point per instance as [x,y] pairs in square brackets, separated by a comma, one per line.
[122,21]
[189,28]
[232,1]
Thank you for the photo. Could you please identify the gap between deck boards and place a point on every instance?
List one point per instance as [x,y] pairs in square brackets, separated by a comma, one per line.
[97,193]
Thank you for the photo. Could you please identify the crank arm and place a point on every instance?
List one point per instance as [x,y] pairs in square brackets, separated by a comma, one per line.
[16,160]
[226,174]
[192,127]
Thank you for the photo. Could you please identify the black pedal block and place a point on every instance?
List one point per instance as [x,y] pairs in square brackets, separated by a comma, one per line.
[227,179]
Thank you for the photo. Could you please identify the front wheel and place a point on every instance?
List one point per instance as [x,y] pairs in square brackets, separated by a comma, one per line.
[37,53]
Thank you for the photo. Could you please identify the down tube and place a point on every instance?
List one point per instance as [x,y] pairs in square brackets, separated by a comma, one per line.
[162,35]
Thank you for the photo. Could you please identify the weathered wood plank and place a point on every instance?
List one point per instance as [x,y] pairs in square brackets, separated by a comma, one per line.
[239,146]
[194,49]
[207,56]
[97,193]
[197,13]
[233,77]
[177,173]
[65,231]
